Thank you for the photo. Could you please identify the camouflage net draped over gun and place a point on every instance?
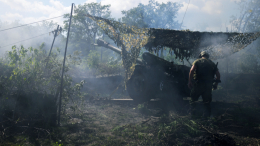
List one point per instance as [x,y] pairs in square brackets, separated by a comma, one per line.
[232,45]
[184,44]
[130,39]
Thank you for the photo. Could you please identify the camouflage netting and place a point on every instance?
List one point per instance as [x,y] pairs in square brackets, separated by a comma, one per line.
[130,39]
[184,44]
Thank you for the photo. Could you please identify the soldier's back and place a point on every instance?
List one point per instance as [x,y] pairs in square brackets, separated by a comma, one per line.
[205,69]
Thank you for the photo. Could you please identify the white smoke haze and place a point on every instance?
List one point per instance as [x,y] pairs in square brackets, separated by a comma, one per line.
[14,36]
[201,15]
[19,12]
[232,63]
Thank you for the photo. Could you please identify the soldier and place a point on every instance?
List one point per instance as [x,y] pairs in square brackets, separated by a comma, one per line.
[203,71]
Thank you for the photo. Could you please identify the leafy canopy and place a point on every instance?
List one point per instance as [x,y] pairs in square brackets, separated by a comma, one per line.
[249,18]
[153,15]
[84,31]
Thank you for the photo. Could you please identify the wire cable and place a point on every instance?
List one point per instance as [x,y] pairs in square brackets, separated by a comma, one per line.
[184,14]
[30,23]
[24,40]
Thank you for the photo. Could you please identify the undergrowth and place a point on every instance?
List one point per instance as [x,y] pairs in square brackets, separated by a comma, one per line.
[30,83]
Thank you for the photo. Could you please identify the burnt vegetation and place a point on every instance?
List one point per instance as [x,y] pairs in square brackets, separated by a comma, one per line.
[29,91]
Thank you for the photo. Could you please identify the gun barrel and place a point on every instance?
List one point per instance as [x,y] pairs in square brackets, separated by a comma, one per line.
[113,48]
[107,45]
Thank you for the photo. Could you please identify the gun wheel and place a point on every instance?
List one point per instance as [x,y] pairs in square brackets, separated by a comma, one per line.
[137,86]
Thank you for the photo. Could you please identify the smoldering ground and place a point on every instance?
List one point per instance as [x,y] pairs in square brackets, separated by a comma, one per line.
[234,109]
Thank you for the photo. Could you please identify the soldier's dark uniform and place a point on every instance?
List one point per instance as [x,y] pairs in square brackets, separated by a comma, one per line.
[203,76]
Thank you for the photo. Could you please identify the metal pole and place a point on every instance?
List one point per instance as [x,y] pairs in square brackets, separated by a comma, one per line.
[52,44]
[102,49]
[227,60]
[64,65]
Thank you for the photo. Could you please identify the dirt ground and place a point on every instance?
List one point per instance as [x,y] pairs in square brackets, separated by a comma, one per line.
[104,122]
[98,121]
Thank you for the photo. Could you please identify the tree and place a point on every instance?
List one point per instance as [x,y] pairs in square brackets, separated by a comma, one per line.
[84,31]
[153,15]
[249,19]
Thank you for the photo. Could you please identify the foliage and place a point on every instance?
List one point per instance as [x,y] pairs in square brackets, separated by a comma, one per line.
[153,15]
[84,31]
[249,20]
[170,57]
[93,60]
[29,72]
[111,66]
[161,133]
[24,72]
[57,144]
[143,108]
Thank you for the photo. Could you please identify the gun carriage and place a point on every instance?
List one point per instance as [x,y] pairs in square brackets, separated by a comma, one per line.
[155,77]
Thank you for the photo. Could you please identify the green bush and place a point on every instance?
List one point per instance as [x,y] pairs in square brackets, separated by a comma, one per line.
[107,67]
[24,77]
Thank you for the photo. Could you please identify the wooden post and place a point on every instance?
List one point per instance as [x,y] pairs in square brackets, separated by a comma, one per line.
[52,44]
[64,66]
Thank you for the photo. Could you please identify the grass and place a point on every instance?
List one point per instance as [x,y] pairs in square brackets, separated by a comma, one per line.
[111,124]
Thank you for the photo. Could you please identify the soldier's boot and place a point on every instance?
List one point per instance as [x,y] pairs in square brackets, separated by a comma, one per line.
[193,110]
[207,110]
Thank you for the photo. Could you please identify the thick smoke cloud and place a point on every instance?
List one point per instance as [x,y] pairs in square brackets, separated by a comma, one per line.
[10,37]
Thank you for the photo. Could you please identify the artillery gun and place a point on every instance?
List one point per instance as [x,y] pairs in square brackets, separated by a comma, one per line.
[155,77]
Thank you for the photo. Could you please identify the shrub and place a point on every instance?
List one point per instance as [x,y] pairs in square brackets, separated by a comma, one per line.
[30,86]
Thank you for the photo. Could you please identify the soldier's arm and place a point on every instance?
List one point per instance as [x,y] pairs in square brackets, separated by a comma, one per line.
[217,75]
[193,68]
[215,85]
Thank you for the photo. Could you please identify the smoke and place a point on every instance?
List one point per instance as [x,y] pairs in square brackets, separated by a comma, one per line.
[248,56]
[11,36]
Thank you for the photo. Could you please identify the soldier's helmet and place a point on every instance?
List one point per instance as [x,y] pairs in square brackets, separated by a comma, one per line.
[204,54]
